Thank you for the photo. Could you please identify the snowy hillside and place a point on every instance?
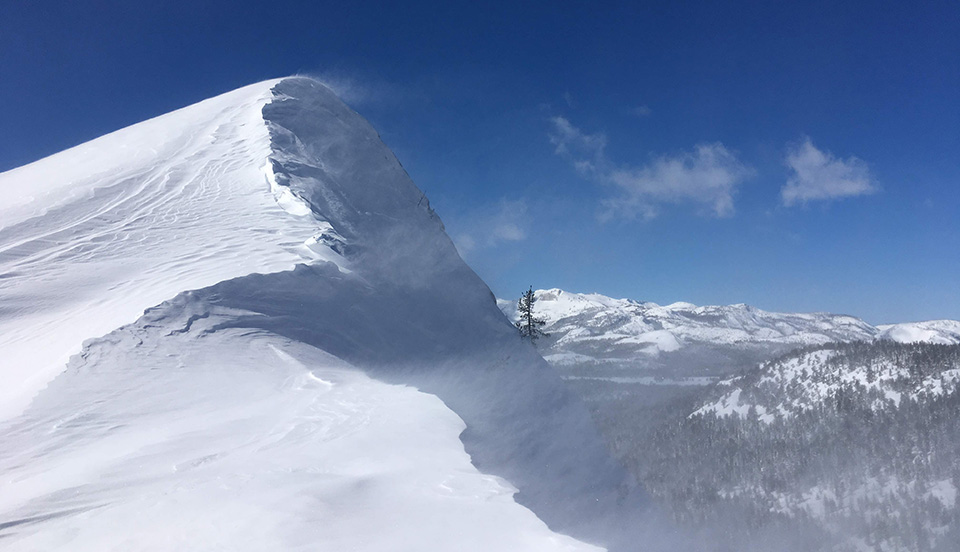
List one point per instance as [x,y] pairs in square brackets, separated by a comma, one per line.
[805,380]
[943,332]
[857,441]
[92,236]
[245,441]
[316,367]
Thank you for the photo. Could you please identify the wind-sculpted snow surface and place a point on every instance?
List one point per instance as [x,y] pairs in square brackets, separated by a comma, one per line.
[92,236]
[241,415]
[171,434]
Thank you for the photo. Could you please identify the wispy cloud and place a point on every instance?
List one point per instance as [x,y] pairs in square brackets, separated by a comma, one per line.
[641,111]
[707,177]
[585,151]
[818,175]
[491,226]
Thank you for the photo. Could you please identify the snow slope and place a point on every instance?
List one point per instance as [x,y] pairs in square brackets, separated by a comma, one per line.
[312,349]
[92,236]
[273,445]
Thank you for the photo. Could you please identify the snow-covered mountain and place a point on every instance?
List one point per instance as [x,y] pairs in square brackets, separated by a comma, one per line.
[857,440]
[943,332]
[592,330]
[241,326]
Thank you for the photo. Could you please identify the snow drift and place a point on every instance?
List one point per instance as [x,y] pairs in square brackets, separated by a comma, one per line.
[284,258]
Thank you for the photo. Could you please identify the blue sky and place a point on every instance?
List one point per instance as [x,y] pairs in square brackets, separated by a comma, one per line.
[796,157]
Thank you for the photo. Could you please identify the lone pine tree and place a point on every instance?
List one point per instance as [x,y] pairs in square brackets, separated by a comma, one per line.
[529,325]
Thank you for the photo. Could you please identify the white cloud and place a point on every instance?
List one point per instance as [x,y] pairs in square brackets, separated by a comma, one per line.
[707,177]
[586,151]
[491,226]
[641,111]
[818,175]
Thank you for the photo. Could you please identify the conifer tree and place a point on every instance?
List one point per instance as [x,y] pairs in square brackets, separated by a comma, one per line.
[529,325]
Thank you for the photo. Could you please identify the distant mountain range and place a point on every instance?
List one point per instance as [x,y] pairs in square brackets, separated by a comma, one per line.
[593,330]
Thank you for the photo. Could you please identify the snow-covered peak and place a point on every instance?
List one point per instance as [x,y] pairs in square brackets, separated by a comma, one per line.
[321,149]
[231,275]
[556,304]
[74,175]
[944,332]
[92,236]
[253,181]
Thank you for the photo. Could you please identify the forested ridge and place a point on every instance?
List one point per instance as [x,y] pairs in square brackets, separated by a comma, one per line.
[849,446]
